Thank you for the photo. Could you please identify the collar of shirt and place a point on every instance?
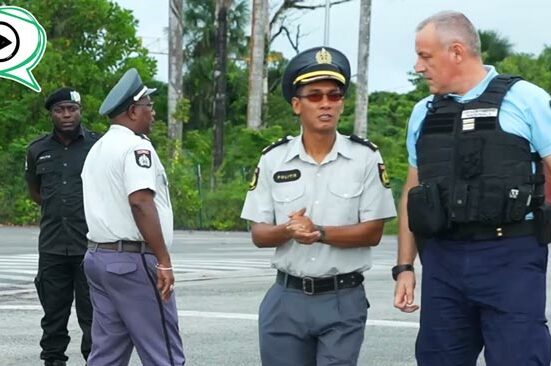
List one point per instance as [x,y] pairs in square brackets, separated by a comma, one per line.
[78,135]
[296,148]
[121,129]
[479,88]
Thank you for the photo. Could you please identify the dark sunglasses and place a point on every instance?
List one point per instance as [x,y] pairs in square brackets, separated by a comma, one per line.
[317,97]
[148,105]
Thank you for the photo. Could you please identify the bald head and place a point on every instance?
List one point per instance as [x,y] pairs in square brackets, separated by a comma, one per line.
[453,26]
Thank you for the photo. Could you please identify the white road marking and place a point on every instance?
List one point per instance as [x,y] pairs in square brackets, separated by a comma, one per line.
[232,316]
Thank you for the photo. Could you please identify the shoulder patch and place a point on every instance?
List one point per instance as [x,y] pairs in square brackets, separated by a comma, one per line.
[143,158]
[281,141]
[365,142]
[383,175]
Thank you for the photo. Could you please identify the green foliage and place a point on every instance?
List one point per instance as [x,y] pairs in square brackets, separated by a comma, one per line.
[199,35]
[90,44]
[531,68]
[15,206]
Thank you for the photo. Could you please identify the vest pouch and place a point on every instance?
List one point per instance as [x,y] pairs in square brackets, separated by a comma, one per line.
[426,216]
[492,202]
[517,206]
[542,217]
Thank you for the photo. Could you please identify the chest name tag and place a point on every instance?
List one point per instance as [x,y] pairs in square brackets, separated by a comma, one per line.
[143,158]
[286,176]
[482,112]
[44,157]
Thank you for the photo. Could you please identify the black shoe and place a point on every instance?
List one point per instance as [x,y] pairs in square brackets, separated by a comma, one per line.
[55,363]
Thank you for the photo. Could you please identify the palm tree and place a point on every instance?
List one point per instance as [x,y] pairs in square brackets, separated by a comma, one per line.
[256,64]
[175,57]
[220,79]
[494,47]
[360,119]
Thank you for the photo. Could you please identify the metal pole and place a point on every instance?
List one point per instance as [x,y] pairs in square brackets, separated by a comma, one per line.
[326,30]
[199,184]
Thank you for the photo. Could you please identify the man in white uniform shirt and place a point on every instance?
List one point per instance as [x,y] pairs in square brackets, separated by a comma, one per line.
[129,217]
[321,199]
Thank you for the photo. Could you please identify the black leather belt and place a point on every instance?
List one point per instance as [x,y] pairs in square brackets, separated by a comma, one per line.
[122,246]
[315,285]
[485,232]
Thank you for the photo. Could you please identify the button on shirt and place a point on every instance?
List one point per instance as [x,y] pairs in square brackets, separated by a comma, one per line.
[56,169]
[119,164]
[345,189]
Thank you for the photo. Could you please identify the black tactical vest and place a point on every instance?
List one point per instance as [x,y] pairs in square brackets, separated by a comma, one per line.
[484,175]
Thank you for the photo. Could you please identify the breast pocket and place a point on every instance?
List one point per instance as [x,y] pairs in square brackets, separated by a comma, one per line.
[287,199]
[344,202]
[49,179]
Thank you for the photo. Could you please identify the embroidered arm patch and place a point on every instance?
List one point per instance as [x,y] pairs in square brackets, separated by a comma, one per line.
[254,180]
[383,176]
[143,158]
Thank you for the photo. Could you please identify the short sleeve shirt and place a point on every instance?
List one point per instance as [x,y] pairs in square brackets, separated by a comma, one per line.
[55,168]
[345,189]
[525,111]
[119,164]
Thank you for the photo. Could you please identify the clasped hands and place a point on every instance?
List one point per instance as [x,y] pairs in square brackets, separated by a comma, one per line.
[301,228]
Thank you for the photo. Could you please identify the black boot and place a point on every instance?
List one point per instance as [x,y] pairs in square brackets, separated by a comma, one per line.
[55,363]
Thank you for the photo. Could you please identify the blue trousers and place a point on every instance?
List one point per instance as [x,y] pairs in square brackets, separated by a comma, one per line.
[128,311]
[296,329]
[487,294]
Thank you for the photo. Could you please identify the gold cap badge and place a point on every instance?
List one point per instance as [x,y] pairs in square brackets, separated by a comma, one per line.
[323,57]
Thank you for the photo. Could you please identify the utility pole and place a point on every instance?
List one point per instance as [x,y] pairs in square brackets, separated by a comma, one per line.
[327,16]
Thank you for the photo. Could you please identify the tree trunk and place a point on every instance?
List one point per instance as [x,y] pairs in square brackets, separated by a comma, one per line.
[219,108]
[256,66]
[360,121]
[175,62]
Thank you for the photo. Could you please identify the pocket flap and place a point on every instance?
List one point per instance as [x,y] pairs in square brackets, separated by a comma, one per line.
[121,268]
[44,168]
[346,189]
[287,194]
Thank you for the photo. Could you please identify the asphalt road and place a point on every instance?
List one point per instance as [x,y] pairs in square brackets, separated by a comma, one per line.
[221,279]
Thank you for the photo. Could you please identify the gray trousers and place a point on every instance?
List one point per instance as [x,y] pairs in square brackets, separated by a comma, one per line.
[296,329]
[128,311]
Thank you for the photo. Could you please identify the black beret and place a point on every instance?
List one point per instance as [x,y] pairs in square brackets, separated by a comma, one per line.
[129,89]
[62,95]
[314,64]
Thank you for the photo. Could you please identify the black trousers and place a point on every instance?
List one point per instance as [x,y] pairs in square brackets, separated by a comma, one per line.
[61,279]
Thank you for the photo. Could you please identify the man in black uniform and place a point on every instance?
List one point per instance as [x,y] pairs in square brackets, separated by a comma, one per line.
[52,171]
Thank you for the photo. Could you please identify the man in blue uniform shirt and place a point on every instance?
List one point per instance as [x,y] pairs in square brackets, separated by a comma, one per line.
[472,206]
[321,199]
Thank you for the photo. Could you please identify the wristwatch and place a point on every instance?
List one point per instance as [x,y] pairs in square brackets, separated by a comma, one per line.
[396,270]
[322,233]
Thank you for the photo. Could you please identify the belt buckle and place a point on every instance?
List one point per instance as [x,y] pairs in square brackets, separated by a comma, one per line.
[305,281]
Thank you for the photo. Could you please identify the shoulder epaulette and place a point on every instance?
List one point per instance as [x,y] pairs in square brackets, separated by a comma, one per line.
[143,136]
[40,138]
[363,141]
[281,141]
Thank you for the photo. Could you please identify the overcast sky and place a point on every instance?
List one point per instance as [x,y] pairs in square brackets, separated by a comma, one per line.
[526,23]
